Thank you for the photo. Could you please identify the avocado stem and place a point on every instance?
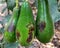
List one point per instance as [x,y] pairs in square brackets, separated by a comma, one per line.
[16,3]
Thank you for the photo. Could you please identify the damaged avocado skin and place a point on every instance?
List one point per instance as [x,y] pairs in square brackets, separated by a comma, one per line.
[25,25]
[44,23]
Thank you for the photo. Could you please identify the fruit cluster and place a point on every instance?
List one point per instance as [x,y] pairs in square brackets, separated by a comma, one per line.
[22,26]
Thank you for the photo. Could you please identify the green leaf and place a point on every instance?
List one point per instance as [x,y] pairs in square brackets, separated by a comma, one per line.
[11,45]
[4,10]
[7,18]
[2,1]
[54,10]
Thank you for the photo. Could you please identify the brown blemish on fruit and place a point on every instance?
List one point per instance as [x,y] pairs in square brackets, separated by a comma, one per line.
[41,26]
[29,38]
[18,34]
[31,29]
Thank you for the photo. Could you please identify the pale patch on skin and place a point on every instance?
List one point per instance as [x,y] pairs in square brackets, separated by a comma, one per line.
[31,29]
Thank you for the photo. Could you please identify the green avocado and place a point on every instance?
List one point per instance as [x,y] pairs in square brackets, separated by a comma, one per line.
[25,25]
[44,23]
[10,34]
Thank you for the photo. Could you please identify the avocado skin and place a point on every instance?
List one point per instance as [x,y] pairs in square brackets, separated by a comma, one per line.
[10,31]
[44,23]
[25,21]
